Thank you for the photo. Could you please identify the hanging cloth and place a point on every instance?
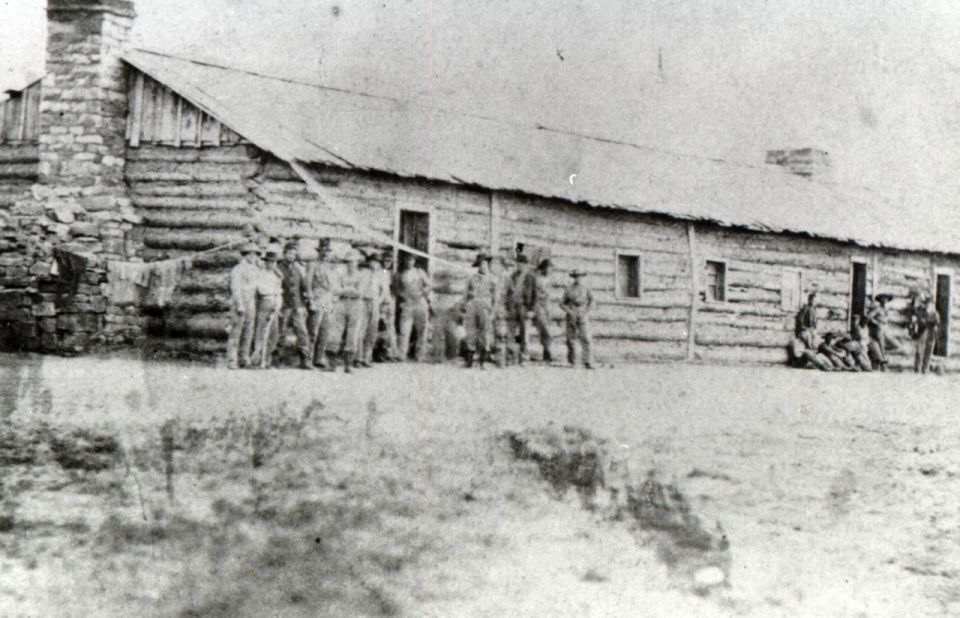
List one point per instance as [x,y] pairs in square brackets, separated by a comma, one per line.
[164,278]
[70,269]
[128,281]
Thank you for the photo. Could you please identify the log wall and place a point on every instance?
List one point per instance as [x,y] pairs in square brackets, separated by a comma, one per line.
[193,199]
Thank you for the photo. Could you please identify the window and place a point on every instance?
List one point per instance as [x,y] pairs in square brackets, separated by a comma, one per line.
[716,280]
[791,291]
[628,275]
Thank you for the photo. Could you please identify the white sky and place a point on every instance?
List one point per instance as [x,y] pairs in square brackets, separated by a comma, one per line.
[878,86]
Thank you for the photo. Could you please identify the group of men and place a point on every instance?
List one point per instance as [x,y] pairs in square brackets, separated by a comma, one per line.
[274,290]
[868,343]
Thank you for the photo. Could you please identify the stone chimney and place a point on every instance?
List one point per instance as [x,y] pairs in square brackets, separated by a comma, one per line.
[80,204]
[804,162]
[83,113]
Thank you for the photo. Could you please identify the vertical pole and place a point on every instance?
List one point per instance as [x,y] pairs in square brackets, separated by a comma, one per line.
[694,297]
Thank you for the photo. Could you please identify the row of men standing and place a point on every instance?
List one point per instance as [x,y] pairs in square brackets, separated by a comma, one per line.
[274,290]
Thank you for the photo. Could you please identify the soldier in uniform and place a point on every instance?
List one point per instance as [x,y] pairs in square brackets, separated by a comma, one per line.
[877,320]
[388,308]
[925,323]
[295,299]
[502,329]
[480,299]
[576,304]
[321,302]
[414,297]
[539,305]
[805,325]
[375,289]
[517,297]
[269,304]
[350,292]
[243,307]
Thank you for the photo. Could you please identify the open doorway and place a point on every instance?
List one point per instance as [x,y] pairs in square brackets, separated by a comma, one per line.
[943,308]
[413,230]
[858,290]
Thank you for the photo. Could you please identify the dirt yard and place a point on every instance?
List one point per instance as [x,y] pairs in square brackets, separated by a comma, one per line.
[132,488]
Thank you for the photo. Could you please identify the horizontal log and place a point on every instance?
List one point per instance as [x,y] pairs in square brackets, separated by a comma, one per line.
[27,170]
[200,326]
[717,335]
[612,350]
[191,203]
[166,154]
[737,354]
[188,240]
[218,221]
[193,190]
[206,301]
[191,348]
[189,172]
[19,153]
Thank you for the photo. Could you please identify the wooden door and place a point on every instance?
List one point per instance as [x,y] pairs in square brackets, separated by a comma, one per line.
[943,308]
[415,232]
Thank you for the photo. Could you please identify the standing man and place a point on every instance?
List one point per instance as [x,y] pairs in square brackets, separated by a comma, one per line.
[925,323]
[388,308]
[540,306]
[321,301]
[880,337]
[480,299]
[576,304]
[517,295]
[805,324]
[243,307]
[351,291]
[376,288]
[414,298]
[269,304]
[295,299]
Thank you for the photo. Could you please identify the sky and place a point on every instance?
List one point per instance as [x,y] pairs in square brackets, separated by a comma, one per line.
[875,84]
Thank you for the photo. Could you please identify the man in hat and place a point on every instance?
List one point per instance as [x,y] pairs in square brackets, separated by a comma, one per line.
[295,299]
[502,322]
[243,307]
[376,288]
[479,301]
[269,304]
[576,304]
[925,322]
[350,292]
[413,296]
[388,308]
[539,304]
[517,295]
[321,302]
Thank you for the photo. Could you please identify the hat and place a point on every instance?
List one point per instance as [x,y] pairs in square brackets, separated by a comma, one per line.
[522,259]
[576,272]
[352,255]
[483,256]
[273,251]
[544,263]
[291,246]
[249,248]
[883,298]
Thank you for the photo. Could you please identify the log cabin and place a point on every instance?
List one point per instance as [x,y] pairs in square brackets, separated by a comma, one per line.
[131,155]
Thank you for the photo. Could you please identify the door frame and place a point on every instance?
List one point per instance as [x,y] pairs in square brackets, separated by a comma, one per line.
[948,273]
[854,260]
[431,232]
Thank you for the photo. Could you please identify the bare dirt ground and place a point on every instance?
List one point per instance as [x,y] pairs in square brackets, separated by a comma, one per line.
[132,488]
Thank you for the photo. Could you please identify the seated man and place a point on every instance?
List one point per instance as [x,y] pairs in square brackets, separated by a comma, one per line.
[802,357]
[832,348]
[857,344]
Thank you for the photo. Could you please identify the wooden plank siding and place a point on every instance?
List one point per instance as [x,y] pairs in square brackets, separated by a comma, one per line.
[20,116]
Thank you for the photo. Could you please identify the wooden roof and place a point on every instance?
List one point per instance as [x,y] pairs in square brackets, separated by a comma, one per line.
[315,124]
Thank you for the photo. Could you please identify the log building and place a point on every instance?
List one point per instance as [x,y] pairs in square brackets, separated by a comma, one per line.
[123,154]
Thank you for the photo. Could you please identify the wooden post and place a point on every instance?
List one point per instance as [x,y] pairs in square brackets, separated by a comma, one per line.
[178,122]
[694,296]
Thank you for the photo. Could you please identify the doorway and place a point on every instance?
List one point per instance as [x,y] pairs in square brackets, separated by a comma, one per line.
[858,290]
[414,231]
[943,308]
